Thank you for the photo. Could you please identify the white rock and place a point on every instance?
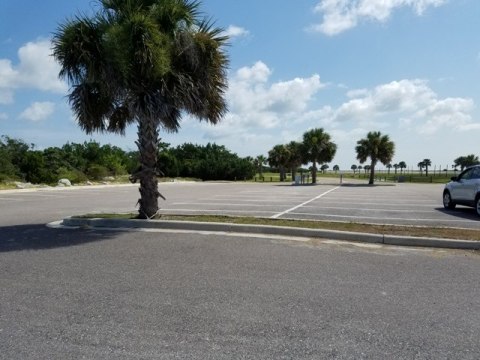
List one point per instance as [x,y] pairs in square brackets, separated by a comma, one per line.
[64,182]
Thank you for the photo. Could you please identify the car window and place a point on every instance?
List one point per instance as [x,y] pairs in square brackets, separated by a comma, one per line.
[470,174]
[467,174]
[475,173]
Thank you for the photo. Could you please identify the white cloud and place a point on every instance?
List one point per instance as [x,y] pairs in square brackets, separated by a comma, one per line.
[256,105]
[36,70]
[38,111]
[234,31]
[412,102]
[342,15]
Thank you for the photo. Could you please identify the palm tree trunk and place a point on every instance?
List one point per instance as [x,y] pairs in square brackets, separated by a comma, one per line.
[372,173]
[147,146]
[314,173]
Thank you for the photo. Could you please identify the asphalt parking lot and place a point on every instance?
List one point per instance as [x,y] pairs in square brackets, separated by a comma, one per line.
[402,204]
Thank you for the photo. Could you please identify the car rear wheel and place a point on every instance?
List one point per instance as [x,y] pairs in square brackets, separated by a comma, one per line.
[449,204]
[477,204]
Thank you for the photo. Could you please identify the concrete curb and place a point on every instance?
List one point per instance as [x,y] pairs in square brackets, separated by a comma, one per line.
[272,230]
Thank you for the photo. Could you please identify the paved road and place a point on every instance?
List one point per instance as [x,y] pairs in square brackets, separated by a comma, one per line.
[88,294]
[82,294]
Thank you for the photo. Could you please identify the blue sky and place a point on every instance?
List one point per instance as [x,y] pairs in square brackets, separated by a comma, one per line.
[407,68]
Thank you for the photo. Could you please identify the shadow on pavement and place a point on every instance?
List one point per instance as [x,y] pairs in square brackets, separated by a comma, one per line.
[40,237]
[460,212]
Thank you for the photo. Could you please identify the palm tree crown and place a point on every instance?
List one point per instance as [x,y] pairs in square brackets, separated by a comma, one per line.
[317,148]
[377,147]
[144,62]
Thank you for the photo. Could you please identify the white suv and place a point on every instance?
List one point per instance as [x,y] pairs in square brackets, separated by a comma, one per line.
[464,189]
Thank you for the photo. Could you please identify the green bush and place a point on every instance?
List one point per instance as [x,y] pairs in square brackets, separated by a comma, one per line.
[74,175]
[97,172]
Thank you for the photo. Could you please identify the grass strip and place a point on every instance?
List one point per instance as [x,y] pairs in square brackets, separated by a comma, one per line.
[416,231]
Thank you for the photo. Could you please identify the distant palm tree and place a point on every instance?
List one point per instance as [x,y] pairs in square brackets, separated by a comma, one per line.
[278,157]
[324,168]
[396,166]
[402,165]
[317,148]
[377,147]
[421,165]
[143,62]
[354,168]
[336,168]
[389,166]
[294,157]
[259,161]
[426,164]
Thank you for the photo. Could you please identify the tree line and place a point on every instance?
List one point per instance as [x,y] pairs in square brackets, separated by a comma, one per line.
[92,161]
[318,149]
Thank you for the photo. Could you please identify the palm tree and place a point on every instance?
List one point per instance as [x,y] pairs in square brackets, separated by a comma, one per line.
[354,168]
[377,147]
[402,165]
[260,160]
[324,168]
[278,157]
[294,156]
[143,62]
[426,164]
[396,166]
[421,165]
[336,168]
[389,166]
[317,148]
[466,161]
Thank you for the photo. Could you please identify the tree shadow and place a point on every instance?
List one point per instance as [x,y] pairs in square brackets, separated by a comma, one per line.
[365,185]
[41,237]
[290,184]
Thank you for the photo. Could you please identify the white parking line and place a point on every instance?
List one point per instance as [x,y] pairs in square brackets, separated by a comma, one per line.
[228,204]
[219,211]
[304,203]
[317,215]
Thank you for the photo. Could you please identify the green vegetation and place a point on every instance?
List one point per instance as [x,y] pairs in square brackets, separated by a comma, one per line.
[91,161]
[316,148]
[145,63]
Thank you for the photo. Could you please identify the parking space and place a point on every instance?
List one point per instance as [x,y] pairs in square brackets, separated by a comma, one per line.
[402,204]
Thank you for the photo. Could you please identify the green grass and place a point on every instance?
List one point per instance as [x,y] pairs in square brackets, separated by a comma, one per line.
[438,232]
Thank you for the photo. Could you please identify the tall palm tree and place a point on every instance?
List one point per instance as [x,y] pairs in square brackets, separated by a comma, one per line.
[377,147]
[354,168]
[317,148]
[143,62]
[402,165]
